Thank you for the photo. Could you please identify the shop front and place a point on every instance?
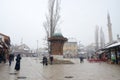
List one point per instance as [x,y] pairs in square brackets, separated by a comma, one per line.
[114,53]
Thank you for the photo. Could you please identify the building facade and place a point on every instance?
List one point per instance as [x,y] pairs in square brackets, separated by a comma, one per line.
[4,47]
[70,49]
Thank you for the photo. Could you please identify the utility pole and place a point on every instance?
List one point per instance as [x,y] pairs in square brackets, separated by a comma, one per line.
[37,48]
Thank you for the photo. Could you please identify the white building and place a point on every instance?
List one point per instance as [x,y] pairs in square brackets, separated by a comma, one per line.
[22,48]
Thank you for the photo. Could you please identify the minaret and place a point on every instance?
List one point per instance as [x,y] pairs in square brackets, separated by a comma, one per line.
[97,38]
[109,28]
[102,39]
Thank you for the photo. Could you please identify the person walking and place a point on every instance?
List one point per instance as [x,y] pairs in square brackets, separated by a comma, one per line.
[81,59]
[51,59]
[17,65]
[10,59]
[45,61]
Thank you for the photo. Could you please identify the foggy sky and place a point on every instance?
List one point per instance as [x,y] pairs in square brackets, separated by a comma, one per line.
[22,20]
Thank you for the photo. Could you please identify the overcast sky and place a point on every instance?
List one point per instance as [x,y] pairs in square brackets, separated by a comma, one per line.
[23,19]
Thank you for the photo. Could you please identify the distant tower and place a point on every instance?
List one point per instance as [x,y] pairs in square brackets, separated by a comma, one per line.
[97,38]
[109,28]
[102,39]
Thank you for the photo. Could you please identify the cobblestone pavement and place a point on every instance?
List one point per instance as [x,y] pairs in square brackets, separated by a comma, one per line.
[32,69]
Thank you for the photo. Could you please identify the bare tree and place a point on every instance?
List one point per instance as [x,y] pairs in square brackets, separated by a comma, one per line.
[52,18]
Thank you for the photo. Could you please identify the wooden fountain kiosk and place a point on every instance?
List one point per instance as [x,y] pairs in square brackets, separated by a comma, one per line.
[57,42]
[56,48]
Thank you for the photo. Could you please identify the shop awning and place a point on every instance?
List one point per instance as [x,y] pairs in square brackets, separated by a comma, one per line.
[114,45]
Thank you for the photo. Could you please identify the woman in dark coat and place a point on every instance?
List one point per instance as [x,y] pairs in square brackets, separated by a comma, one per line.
[17,65]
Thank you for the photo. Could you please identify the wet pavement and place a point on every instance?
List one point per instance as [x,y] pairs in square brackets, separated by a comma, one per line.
[32,69]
